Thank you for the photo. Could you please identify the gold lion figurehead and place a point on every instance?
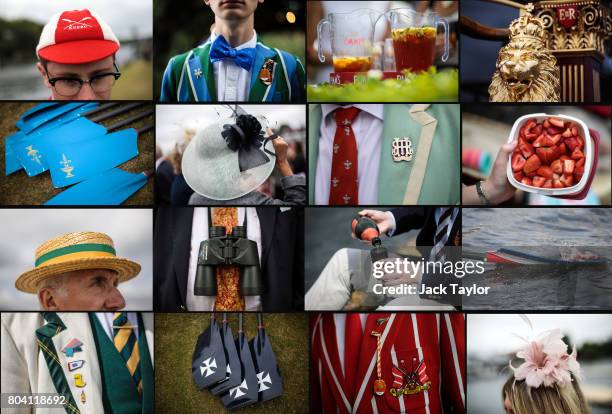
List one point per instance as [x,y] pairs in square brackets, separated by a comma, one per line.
[526,70]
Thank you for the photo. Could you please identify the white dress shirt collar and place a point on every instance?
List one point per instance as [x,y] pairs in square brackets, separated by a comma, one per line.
[373,109]
[249,44]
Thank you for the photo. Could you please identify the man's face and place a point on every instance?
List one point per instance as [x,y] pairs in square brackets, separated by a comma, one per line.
[233,9]
[84,72]
[84,290]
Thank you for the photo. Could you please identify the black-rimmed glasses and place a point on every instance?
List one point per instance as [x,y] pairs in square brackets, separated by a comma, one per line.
[70,86]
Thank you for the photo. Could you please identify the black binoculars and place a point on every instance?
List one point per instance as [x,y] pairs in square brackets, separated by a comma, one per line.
[228,249]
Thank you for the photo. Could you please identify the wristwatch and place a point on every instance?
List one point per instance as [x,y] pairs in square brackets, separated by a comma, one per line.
[481,194]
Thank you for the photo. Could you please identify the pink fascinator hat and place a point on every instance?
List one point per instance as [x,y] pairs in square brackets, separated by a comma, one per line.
[546,361]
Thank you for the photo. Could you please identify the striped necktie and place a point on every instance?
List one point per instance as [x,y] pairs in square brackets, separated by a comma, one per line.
[127,345]
[444,223]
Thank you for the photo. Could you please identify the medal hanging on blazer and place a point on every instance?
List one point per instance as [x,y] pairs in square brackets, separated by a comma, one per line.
[409,382]
[401,149]
[265,74]
[379,384]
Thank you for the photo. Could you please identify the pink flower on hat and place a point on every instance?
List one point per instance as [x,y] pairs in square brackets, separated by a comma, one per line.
[547,362]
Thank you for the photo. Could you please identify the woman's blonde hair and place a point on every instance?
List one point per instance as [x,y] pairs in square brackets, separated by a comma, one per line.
[556,399]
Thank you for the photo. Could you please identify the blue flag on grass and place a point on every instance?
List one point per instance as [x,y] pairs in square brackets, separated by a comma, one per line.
[109,188]
[72,164]
[23,140]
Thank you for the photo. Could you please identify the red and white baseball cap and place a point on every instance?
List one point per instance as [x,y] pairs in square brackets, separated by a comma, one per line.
[76,36]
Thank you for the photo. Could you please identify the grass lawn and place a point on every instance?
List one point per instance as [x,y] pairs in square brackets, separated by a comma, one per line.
[19,189]
[135,83]
[175,339]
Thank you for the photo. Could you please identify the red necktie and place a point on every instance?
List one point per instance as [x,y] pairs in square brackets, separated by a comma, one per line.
[344,189]
[353,335]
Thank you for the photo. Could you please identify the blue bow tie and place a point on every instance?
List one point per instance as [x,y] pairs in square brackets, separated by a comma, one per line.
[220,50]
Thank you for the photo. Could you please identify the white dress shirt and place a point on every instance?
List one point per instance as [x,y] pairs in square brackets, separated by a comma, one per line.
[199,232]
[106,320]
[368,129]
[233,82]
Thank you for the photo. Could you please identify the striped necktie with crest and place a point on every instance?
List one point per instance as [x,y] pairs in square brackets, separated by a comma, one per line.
[127,345]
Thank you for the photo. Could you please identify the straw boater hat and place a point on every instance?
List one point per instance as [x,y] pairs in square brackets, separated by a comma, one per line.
[75,251]
[229,158]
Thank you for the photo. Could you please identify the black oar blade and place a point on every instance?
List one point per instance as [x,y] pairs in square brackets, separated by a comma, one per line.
[233,370]
[269,380]
[246,392]
[208,360]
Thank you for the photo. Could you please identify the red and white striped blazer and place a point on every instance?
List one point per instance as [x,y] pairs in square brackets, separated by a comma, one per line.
[438,340]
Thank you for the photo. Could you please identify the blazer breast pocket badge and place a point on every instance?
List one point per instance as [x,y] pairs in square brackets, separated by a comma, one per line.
[409,382]
[265,74]
[401,149]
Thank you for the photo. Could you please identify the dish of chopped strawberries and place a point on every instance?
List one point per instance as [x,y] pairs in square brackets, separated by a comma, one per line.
[549,154]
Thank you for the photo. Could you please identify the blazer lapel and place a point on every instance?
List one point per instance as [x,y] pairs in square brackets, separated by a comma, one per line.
[78,328]
[331,362]
[259,91]
[267,222]
[314,128]
[385,324]
[181,233]
[147,318]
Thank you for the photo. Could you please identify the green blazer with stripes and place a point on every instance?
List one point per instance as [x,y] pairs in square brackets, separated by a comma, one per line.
[189,77]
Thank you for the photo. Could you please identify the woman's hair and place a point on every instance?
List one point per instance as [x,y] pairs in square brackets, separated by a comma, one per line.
[555,399]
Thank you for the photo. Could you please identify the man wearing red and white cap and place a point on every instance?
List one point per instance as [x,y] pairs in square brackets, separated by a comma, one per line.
[76,54]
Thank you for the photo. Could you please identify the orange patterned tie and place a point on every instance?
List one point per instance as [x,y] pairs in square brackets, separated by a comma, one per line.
[228,277]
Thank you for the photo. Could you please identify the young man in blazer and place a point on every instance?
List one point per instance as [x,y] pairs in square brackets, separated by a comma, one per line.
[278,232]
[401,154]
[388,363]
[100,362]
[232,65]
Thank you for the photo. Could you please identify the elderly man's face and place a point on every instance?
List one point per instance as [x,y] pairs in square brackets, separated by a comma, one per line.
[83,290]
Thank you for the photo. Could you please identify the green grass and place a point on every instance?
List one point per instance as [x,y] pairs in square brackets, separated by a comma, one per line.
[135,83]
[19,189]
[431,86]
[175,339]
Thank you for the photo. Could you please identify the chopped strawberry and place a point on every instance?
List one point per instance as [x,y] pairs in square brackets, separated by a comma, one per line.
[518,162]
[572,143]
[532,164]
[545,172]
[526,148]
[580,141]
[564,157]
[531,174]
[577,154]
[574,131]
[546,124]
[537,130]
[567,180]
[546,154]
[554,131]
[526,181]
[568,166]
[538,181]
[580,162]
[567,133]
[547,184]
[577,177]
[579,169]
[556,122]
[531,136]
[556,167]
[538,141]
[561,149]
[557,184]
[518,175]
[555,138]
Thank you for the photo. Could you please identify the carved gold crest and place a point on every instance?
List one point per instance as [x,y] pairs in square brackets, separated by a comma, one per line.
[526,71]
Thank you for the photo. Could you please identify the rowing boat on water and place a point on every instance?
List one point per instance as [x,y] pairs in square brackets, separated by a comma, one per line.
[511,256]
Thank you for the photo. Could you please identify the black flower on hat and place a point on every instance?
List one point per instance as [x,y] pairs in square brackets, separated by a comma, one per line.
[246,136]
